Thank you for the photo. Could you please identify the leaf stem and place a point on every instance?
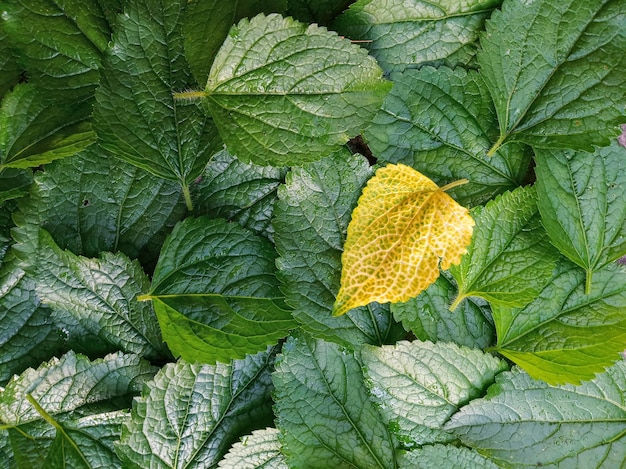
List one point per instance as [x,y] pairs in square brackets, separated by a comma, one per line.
[453,184]
[187,196]
[497,145]
[189,95]
[460,297]
[588,275]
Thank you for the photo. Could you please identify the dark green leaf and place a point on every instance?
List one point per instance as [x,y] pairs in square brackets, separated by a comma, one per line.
[317,11]
[404,34]
[261,449]
[510,258]
[556,71]
[190,414]
[442,123]
[526,423]
[310,222]
[27,334]
[102,295]
[9,69]
[238,191]
[429,317]
[35,130]
[143,69]
[323,409]
[419,385]
[14,183]
[92,203]
[283,93]
[432,456]
[566,335]
[207,23]
[582,204]
[60,43]
[215,292]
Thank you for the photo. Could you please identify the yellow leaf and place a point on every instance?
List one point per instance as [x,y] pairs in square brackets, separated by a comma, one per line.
[401,229]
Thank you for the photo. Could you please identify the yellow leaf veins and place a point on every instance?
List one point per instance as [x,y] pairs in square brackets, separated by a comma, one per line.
[403,228]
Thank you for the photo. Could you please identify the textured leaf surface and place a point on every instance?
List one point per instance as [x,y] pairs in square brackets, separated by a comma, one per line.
[14,183]
[556,71]
[190,414]
[403,227]
[215,292]
[404,34]
[429,317]
[92,203]
[27,335]
[316,11]
[207,23]
[323,409]
[419,385]
[510,257]
[102,295]
[310,221]
[283,93]
[582,205]
[442,123]
[238,191]
[9,69]
[566,335]
[35,130]
[261,449]
[526,423]
[143,69]
[431,456]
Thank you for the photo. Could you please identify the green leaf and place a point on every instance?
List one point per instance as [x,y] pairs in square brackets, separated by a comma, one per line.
[102,295]
[10,71]
[215,292]
[442,123]
[429,317]
[310,222]
[510,258]
[556,71]
[190,414]
[403,34]
[238,191]
[35,130]
[14,183]
[142,70]
[419,385]
[27,334]
[582,206]
[283,93]
[92,203]
[207,23]
[526,423]
[60,43]
[566,335]
[261,449]
[446,456]
[317,11]
[323,409]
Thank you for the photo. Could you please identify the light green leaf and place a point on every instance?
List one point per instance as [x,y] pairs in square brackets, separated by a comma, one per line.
[92,203]
[35,130]
[143,69]
[323,409]
[447,456]
[510,258]
[60,42]
[556,71]
[442,123]
[215,292]
[261,449]
[403,34]
[102,295]
[567,335]
[207,23]
[27,334]
[317,11]
[190,414]
[238,191]
[419,385]
[283,93]
[310,223]
[582,205]
[429,317]
[526,423]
